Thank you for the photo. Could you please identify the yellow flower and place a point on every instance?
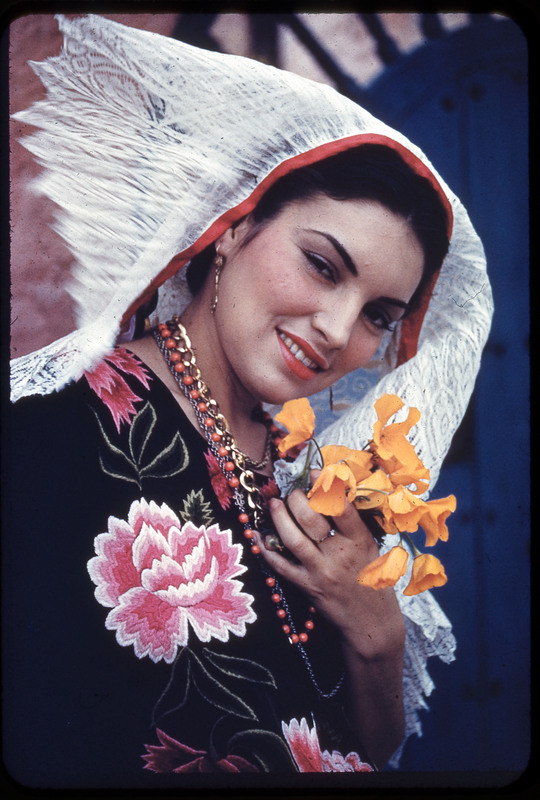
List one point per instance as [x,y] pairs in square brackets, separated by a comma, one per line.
[403,511]
[385,570]
[427,572]
[408,475]
[331,490]
[298,417]
[341,471]
[393,451]
[360,461]
[433,519]
[372,491]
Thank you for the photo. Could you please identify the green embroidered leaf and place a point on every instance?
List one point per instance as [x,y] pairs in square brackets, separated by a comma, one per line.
[115,462]
[139,433]
[109,470]
[241,668]
[170,461]
[265,747]
[216,693]
[175,694]
[197,510]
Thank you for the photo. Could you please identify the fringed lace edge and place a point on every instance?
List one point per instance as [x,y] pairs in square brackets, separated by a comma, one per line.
[428,634]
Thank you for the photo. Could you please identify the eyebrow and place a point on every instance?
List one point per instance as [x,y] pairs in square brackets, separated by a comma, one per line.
[345,257]
[350,265]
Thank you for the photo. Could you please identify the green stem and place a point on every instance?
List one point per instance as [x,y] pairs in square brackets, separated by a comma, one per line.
[415,550]
[315,442]
[369,489]
[302,481]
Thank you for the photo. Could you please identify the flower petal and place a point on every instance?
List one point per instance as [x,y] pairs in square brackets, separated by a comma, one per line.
[385,570]
[373,490]
[427,572]
[113,390]
[129,364]
[160,518]
[386,406]
[433,519]
[336,762]
[306,751]
[148,546]
[169,755]
[304,745]
[154,628]
[112,569]
[227,610]
[328,494]
[298,418]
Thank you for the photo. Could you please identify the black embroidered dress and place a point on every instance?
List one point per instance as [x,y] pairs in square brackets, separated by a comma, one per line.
[140,638]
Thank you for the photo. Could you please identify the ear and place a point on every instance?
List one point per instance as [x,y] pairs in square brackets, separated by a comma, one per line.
[232,238]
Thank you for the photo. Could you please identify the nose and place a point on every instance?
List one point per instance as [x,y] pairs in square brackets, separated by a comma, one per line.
[336,321]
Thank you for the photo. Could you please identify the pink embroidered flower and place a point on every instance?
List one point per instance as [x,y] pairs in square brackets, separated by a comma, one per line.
[306,750]
[157,576]
[111,387]
[172,756]
[223,491]
[335,762]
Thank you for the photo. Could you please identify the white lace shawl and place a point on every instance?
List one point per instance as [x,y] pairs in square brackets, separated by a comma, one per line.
[148,144]
[428,633]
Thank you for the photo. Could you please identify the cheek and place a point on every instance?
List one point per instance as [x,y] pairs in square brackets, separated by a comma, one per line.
[284,292]
[358,353]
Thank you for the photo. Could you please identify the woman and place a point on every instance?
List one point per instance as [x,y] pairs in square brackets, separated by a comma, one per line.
[310,229]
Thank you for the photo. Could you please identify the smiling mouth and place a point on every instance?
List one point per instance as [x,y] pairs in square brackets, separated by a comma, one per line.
[298,353]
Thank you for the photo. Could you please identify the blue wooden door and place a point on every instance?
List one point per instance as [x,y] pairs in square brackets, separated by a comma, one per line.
[463,99]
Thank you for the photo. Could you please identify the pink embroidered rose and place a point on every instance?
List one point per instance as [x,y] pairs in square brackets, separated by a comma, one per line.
[157,576]
[111,387]
[305,748]
[172,756]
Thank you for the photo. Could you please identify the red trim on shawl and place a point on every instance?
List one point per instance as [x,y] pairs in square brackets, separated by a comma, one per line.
[412,324]
[410,329]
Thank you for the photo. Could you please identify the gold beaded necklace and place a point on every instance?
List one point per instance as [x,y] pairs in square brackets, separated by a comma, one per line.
[237,467]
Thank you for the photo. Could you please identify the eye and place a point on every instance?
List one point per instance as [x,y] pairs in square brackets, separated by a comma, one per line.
[321,266]
[379,317]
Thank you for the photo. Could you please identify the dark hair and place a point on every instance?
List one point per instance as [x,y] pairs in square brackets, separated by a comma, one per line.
[368,172]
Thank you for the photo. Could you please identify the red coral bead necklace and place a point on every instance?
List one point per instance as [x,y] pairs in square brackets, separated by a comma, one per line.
[237,467]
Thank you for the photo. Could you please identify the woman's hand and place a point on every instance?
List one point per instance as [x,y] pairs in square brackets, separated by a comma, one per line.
[327,570]
[370,621]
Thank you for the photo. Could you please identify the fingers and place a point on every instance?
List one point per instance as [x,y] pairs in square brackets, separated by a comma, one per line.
[324,566]
[309,536]
[316,525]
[353,527]
[294,572]
[298,526]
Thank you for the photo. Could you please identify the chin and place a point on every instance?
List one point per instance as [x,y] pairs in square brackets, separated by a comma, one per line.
[278,397]
[278,388]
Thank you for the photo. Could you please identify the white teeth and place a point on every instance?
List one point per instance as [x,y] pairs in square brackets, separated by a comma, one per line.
[297,352]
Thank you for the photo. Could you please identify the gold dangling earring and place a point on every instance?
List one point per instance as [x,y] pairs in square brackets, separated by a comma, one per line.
[218,262]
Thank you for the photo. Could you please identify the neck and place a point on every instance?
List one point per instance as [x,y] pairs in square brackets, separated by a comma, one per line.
[236,404]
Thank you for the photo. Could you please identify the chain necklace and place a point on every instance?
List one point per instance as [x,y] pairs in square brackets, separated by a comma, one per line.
[237,467]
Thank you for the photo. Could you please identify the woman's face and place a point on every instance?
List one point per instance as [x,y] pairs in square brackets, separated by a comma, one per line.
[308,298]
